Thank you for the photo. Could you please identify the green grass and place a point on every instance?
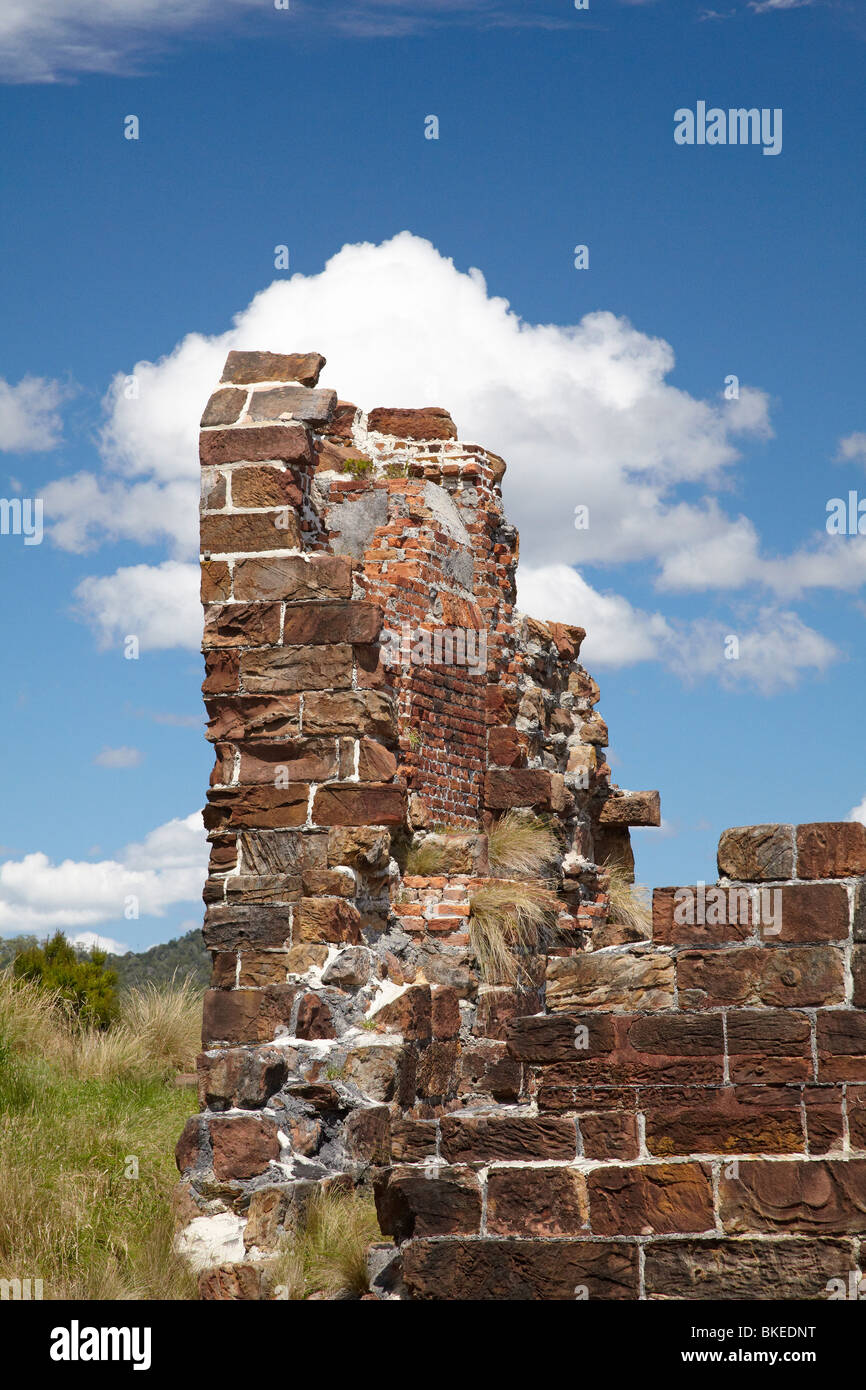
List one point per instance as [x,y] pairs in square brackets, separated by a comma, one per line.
[88,1125]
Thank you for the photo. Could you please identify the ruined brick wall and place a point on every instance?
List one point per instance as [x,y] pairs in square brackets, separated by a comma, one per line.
[668,1113]
[692,1116]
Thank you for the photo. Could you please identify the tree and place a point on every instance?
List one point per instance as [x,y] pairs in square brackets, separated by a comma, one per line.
[86,985]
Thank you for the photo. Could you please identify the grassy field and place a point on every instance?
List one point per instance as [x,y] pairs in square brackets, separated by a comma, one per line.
[88,1125]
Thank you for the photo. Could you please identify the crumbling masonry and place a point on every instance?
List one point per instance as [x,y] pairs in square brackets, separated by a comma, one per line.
[674,1114]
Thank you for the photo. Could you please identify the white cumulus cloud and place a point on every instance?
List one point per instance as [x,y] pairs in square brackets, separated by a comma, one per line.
[585,415]
[157,604]
[167,867]
[774,649]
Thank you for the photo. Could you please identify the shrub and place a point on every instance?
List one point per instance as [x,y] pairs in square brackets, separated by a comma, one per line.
[85,985]
[505,920]
[520,845]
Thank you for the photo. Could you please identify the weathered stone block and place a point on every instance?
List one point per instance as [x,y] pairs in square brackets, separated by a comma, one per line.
[432,422]
[224,407]
[832,849]
[245,533]
[752,1270]
[519,787]
[787,977]
[332,920]
[243,1145]
[498,1138]
[294,578]
[256,444]
[631,808]
[290,669]
[536,1202]
[410,1202]
[651,1199]
[518,1270]
[241,625]
[769,1046]
[611,980]
[241,808]
[314,408]
[841,1045]
[245,368]
[350,621]
[351,712]
[821,1196]
[734,1119]
[757,852]
[354,804]
[265,486]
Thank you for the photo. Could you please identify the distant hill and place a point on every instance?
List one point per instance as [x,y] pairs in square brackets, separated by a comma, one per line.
[185,955]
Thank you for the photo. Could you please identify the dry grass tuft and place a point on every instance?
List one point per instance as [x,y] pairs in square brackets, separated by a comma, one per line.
[630,904]
[507,919]
[520,845]
[329,1254]
[426,859]
[166,1022]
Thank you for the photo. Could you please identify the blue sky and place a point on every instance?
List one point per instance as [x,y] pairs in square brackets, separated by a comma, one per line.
[305,127]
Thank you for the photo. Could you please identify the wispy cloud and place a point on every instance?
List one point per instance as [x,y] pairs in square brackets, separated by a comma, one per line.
[56,40]
[29,415]
[852,448]
[119,758]
[766,6]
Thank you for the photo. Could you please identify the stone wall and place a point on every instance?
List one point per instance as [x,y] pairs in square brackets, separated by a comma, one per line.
[629,1114]
[691,1121]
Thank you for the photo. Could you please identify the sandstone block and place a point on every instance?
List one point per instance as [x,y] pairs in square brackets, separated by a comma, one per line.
[256,444]
[822,1196]
[314,408]
[430,423]
[244,533]
[410,1202]
[757,852]
[519,1270]
[536,1202]
[224,407]
[243,1145]
[294,578]
[789,977]
[631,808]
[245,368]
[651,1199]
[610,980]
[833,849]
[290,669]
[497,1138]
[350,621]
[354,804]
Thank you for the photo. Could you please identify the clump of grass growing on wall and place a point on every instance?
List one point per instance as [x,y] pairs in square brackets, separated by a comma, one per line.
[507,920]
[629,902]
[426,859]
[521,845]
[358,468]
[328,1253]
